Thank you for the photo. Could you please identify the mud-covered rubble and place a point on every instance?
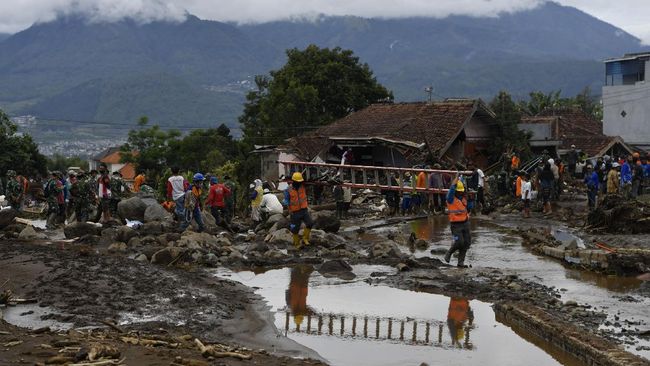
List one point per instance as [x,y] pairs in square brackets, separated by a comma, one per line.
[617,215]
[596,257]
[124,346]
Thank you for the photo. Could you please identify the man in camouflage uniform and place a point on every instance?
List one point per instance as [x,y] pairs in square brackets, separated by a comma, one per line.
[53,195]
[14,190]
[118,191]
[83,195]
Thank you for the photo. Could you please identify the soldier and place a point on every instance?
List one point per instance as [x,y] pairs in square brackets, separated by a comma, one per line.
[118,190]
[54,196]
[14,190]
[83,197]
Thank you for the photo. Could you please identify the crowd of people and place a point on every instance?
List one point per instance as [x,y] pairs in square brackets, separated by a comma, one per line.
[626,177]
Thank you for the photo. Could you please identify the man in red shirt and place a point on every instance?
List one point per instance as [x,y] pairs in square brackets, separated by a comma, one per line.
[216,199]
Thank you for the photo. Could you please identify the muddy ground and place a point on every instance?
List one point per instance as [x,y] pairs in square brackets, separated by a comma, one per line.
[85,286]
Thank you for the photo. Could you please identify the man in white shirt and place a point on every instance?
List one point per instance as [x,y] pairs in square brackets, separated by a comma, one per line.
[526,190]
[176,187]
[270,204]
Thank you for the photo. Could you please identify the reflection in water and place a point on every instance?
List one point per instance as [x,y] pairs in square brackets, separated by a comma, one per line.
[296,294]
[459,320]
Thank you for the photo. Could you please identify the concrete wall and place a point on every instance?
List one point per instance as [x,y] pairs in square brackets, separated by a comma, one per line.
[635,101]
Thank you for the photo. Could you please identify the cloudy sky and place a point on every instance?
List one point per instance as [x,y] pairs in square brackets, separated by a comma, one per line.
[15,15]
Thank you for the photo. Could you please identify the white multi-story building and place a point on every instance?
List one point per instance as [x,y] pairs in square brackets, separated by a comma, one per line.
[626,99]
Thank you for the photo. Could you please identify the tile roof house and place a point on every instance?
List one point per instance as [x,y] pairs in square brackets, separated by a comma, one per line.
[558,129]
[399,134]
[112,158]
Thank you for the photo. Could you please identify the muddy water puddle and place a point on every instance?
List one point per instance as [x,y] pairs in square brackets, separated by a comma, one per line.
[619,297]
[354,323]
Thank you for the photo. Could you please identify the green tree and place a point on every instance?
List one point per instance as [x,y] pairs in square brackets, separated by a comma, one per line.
[150,149]
[315,87]
[62,163]
[589,104]
[540,102]
[20,152]
[509,136]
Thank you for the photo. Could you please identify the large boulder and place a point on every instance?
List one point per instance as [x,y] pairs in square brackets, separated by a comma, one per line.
[156,212]
[125,234]
[167,255]
[79,229]
[337,268]
[280,237]
[132,209]
[277,221]
[326,221]
[7,217]
[384,249]
[194,240]
[28,233]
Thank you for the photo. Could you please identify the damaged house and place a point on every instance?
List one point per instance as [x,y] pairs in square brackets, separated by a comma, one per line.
[556,130]
[398,135]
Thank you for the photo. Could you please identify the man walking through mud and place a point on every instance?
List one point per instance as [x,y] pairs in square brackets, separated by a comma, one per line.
[458,208]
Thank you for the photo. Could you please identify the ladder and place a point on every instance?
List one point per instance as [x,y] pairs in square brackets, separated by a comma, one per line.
[364,176]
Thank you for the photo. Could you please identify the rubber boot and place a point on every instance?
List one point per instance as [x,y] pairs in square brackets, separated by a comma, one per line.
[296,241]
[306,234]
[461,258]
[448,256]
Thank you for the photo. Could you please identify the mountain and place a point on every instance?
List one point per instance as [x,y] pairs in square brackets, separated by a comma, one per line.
[195,73]
[4,36]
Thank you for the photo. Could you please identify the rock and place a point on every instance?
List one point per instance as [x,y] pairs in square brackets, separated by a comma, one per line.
[28,233]
[125,234]
[7,217]
[281,237]
[336,265]
[141,258]
[79,229]
[384,249]
[276,222]
[235,255]
[134,242]
[194,240]
[274,254]
[132,209]
[421,244]
[260,247]
[117,247]
[571,303]
[211,260]
[402,267]
[338,268]
[167,255]
[156,213]
[152,228]
[514,286]
[109,236]
[327,221]
[196,256]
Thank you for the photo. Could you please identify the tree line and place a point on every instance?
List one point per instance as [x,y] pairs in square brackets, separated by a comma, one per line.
[315,87]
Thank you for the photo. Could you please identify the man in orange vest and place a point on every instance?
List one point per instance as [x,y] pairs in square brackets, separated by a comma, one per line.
[296,198]
[458,208]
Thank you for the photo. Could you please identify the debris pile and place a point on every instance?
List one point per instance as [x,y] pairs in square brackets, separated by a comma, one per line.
[617,215]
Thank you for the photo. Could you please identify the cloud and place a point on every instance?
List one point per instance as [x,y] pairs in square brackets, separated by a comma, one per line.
[264,10]
[19,14]
[16,15]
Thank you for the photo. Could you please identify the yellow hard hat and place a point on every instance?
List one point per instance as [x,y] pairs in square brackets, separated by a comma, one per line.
[297,177]
[460,187]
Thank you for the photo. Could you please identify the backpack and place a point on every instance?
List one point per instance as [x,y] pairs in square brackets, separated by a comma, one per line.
[47,191]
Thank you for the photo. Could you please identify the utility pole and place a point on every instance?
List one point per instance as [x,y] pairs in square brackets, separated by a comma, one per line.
[429,90]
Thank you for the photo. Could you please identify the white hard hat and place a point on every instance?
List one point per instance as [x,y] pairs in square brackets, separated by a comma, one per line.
[266,190]
[615,165]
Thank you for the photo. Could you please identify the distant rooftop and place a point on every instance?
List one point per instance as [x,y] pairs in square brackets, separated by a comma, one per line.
[629,56]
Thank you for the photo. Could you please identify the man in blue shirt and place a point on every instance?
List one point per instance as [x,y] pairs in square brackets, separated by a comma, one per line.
[626,177]
[592,181]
